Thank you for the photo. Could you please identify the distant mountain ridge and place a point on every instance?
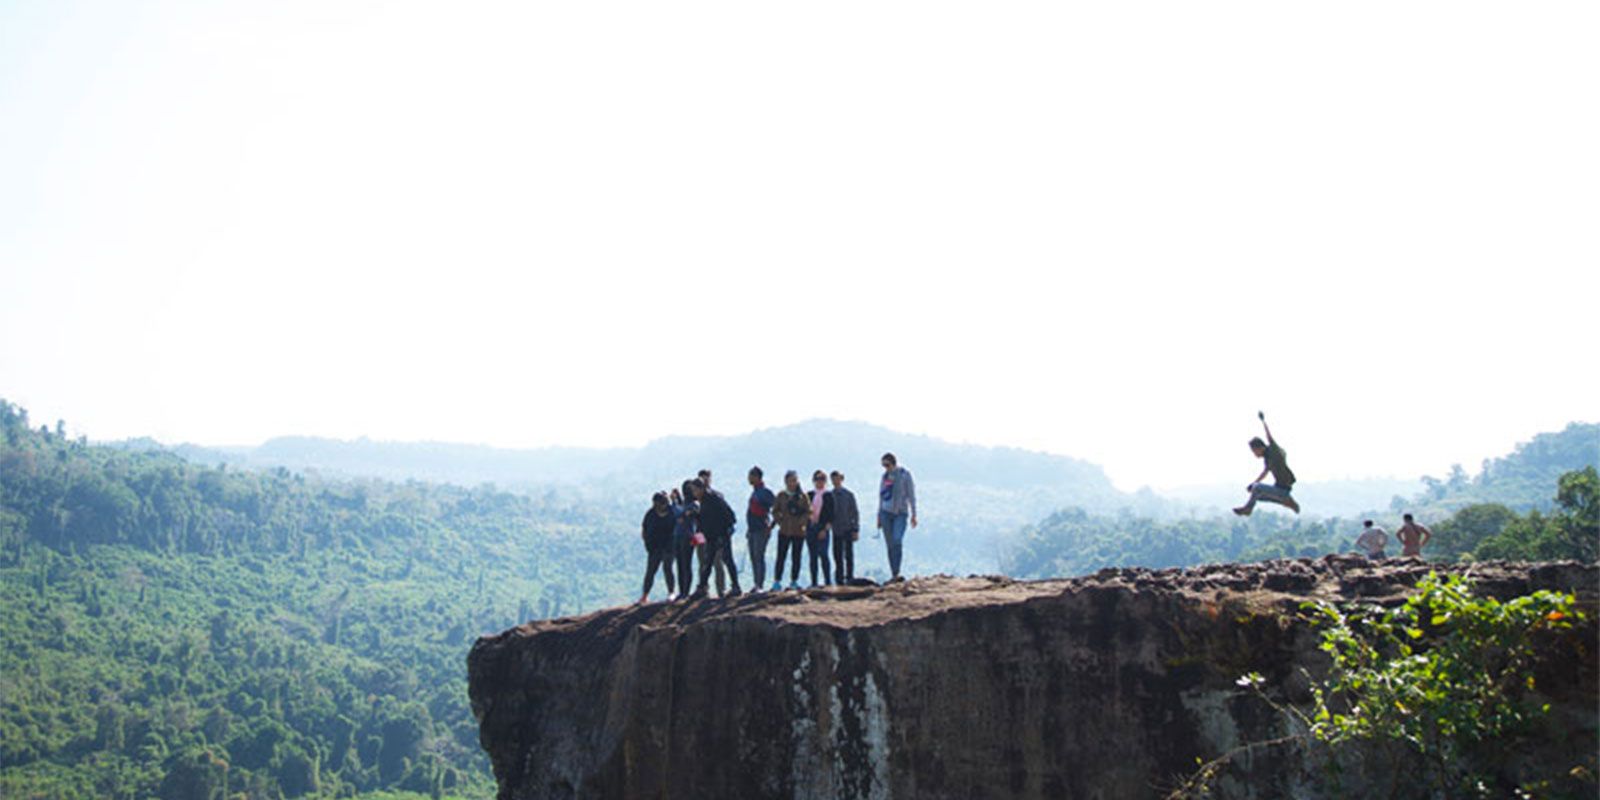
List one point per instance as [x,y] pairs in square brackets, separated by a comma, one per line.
[854,447]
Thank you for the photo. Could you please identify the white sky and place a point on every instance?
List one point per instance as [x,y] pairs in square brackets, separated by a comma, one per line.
[1112,230]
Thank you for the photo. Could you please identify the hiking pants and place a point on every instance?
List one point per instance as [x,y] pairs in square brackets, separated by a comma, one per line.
[844,557]
[757,538]
[817,547]
[1266,493]
[786,546]
[683,549]
[713,556]
[660,558]
[894,535]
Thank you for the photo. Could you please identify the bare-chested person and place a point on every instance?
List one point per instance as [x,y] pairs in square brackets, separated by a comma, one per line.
[1413,535]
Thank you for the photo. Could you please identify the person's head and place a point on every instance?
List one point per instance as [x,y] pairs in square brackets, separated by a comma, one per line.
[698,487]
[688,489]
[1407,518]
[659,501]
[704,476]
[819,479]
[1366,524]
[1258,447]
[677,498]
[791,479]
[838,479]
[755,476]
[889,461]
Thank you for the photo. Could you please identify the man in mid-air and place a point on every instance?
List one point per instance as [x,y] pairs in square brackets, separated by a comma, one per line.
[1276,463]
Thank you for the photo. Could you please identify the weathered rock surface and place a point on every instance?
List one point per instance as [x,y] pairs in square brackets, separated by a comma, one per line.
[1108,686]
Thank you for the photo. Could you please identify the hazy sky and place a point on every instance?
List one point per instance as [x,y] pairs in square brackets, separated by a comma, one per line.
[1112,230]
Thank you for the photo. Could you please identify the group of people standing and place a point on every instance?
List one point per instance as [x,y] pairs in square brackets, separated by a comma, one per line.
[1374,540]
[696,519]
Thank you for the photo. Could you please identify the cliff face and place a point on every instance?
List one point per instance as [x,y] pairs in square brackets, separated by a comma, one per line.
[1109,686]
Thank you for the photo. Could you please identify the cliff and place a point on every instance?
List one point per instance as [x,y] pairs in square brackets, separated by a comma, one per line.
[1108,686]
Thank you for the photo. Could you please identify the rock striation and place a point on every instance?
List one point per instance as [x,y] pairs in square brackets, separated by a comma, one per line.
[1106,686]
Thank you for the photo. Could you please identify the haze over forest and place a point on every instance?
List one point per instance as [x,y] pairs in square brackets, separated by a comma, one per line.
[268,263]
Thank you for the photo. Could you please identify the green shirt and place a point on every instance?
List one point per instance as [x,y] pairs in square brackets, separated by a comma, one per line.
[1278,465]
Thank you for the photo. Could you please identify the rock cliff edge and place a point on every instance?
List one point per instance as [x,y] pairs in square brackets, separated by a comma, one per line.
[1107,686]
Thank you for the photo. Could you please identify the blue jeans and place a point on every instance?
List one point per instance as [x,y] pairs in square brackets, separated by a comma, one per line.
[1267,493]
[894,534]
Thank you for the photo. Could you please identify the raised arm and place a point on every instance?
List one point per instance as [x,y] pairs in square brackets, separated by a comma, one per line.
[1263,417]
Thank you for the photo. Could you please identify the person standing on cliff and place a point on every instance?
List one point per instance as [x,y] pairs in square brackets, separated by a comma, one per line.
[846,530]
[687,513]
[717,522]
[791,511]
[728,559]
[897,504]
[821,523]
[1372,540]
[1413,536]
[656,531]
[758,527]
[1275,462]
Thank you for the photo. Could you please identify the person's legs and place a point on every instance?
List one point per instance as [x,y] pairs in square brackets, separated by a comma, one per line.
[849,564]
[1249,505]
[728,561]
[827,564]
[685,555]
[894,534]
[811,556]
[703,552]
[794,561]
[838,556]
[1265,493]
[652,561]
[663,557]
[777,565]
[757,541]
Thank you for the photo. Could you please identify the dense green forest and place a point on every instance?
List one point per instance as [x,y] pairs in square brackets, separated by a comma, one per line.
[187,631]
[1539,502]
[193,630]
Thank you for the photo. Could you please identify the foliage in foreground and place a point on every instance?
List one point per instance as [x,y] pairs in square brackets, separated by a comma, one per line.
[1438,697]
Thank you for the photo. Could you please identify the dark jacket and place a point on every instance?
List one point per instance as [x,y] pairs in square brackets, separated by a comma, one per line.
[716,518]
[657,528]
[846,517]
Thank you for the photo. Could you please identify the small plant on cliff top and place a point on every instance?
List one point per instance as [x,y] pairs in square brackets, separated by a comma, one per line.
[1447,678]
[1429,697]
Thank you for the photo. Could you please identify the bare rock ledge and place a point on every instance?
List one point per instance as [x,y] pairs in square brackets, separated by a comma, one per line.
[1106,686]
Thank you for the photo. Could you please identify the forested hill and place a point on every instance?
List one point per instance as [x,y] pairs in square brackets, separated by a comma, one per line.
[186,631]
[1523,478]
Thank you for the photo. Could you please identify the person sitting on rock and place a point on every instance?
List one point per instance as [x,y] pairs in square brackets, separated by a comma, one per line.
[1412,536]
[1276,463]
[1372,540]
[792,512]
